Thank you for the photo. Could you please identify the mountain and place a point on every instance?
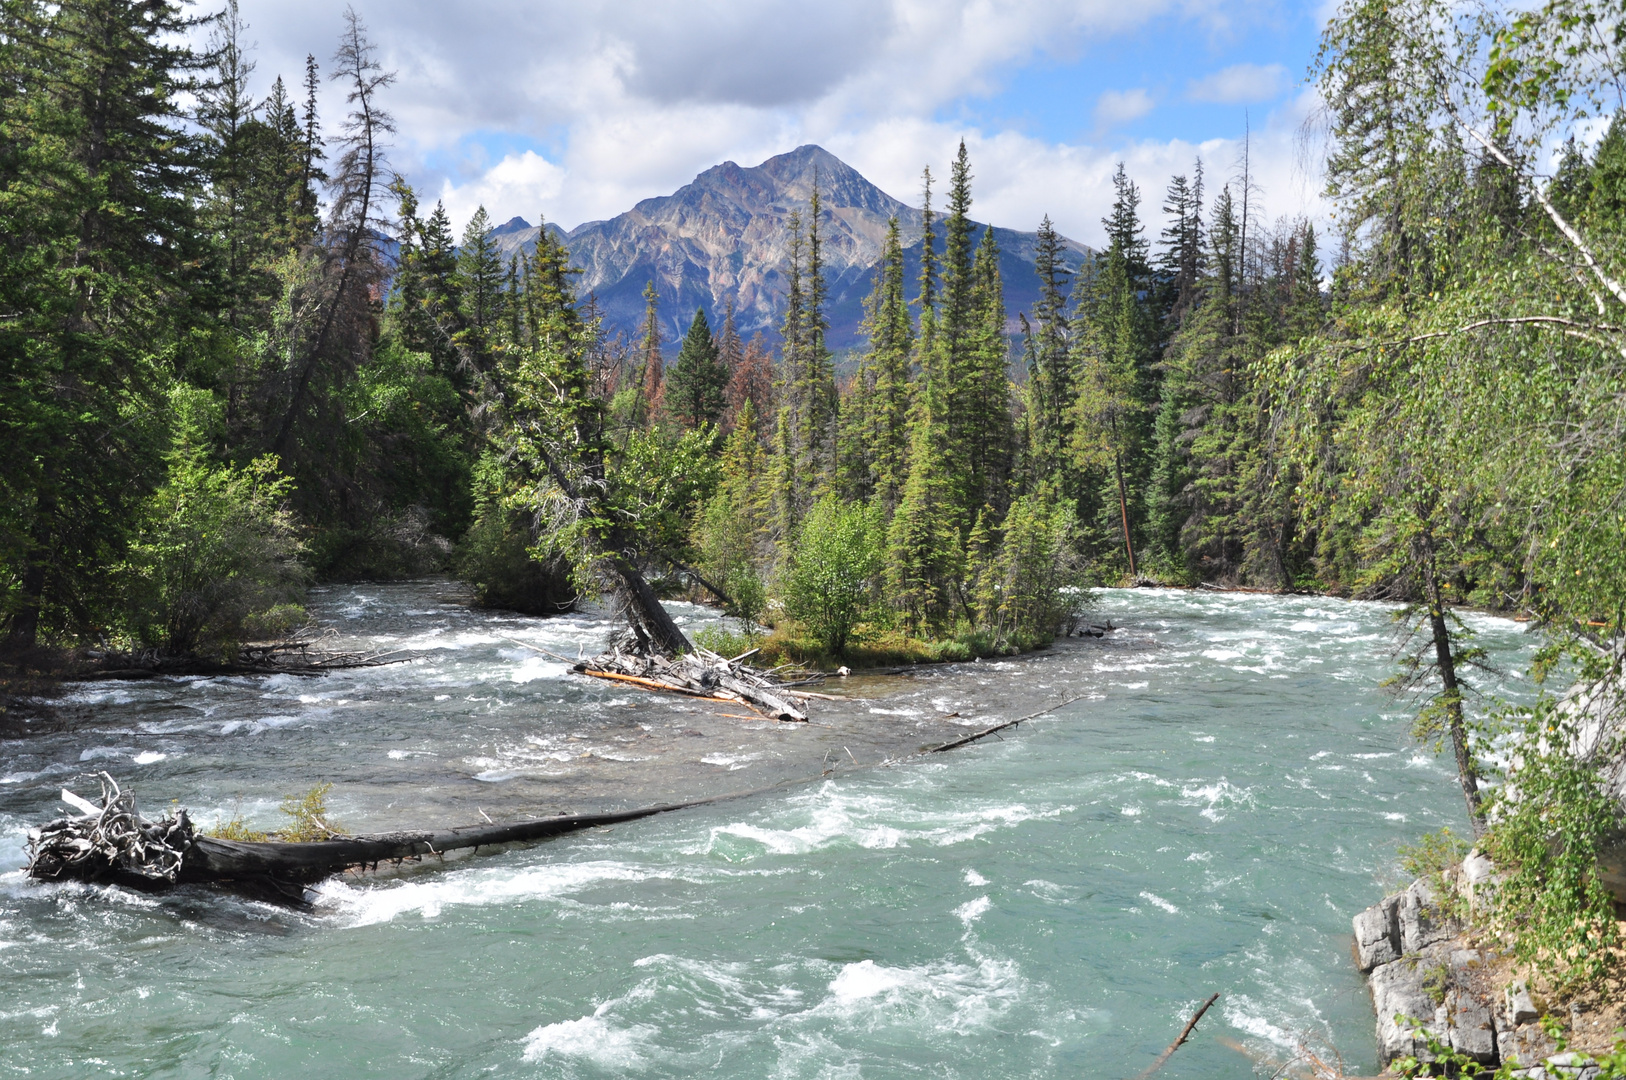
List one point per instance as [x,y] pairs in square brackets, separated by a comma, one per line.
[725,236]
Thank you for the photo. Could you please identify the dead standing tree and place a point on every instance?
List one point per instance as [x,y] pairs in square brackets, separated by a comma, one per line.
[330,330]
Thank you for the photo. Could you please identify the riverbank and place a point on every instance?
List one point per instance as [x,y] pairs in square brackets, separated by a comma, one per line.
[1435,980]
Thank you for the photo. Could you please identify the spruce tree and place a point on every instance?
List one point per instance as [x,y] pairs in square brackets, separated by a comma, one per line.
[695,383]
[891,337]
[1049,388]
[991,436]
[99,244]
[479,288]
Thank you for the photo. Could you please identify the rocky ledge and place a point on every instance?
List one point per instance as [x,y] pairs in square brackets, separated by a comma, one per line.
[1426,976]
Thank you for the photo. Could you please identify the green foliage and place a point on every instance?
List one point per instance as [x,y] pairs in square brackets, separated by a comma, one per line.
[830,586]
[235,828]
[1445,1061]
[1035,586]
[726,642]
[215,560]
[695,382]
[1431,857]
[1551,821]
[308,818]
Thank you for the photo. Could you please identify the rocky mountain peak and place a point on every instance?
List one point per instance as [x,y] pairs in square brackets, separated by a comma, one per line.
[724,237]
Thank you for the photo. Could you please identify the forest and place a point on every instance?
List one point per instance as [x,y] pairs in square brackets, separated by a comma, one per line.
[238,356]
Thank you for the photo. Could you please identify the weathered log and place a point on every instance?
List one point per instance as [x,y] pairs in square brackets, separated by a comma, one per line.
[700,674]
[111,843]
[1185,1033]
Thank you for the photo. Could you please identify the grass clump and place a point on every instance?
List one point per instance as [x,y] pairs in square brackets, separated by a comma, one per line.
[308,817]
[308,820]
[234,828]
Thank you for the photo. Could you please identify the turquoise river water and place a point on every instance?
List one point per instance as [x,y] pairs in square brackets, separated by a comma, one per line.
[1227,793]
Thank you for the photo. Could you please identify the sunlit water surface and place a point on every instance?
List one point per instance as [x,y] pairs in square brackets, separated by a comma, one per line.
[1227,794]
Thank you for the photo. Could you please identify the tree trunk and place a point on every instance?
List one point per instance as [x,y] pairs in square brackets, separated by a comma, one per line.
[1123,505]
[651,624]
[1445,661]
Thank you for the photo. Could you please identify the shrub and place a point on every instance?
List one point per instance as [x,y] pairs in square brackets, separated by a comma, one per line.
[216,558]
[308,817]
[1034,586]
[1550,823]
[829,587]
[725,642]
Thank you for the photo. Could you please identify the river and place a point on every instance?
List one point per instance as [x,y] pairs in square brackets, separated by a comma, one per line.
[1227,793]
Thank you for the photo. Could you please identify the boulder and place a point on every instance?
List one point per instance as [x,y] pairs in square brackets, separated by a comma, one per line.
[1398,991]
[1420,924]
[1472,1027]
[1377,934]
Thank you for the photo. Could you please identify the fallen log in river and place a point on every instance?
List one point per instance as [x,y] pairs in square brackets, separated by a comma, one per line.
[112,843]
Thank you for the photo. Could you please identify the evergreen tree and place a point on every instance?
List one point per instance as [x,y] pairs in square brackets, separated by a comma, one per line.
[694,386]
[479,279]
[877,424]
[991,435]
[100,245]
[751,382]
[1050,383]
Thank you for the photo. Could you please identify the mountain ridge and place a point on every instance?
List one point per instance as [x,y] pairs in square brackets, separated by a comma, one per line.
[724,237]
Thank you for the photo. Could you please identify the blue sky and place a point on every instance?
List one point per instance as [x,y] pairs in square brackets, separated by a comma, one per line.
[577,110]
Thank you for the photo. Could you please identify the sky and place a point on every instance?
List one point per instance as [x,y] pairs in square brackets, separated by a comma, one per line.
[576,110]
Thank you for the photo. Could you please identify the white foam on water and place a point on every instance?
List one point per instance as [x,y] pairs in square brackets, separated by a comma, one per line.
[974,879]
[1153,898]
[383,902]
[972,910]
[96,753]
[13,849]
[533,668]
[593,1039]
[149,757]
[1220,796]
[942,996]
[728,761]
[895,712]
[836,815]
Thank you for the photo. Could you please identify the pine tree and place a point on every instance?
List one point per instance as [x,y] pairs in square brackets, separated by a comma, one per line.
[751,382]
[479,278]
[991,435]
[1050,382]
[694,386]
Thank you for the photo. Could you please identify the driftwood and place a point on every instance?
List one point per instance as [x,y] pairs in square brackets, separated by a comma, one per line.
[112,843]
[295,656]
[700,673]
[1185,1033]
[985,732]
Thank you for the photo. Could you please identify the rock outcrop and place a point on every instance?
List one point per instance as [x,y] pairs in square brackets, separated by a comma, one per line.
[724,238]
[1426,980]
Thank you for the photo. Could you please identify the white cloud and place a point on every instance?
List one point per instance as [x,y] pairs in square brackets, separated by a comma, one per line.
[1240,84]
[1121,106]
[515,181]
[588,108]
